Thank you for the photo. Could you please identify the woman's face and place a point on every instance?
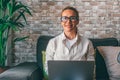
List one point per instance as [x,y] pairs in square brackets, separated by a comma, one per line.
[69,20]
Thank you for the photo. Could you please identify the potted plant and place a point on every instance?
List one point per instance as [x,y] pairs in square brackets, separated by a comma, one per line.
[12,18]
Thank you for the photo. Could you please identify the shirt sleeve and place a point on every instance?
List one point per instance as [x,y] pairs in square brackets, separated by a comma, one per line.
[91,57]
[90,52]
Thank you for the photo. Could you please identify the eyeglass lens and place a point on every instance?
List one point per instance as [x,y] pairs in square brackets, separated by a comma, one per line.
[71,18]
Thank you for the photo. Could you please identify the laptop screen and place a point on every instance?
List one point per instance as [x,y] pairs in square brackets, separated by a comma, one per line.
[70,70]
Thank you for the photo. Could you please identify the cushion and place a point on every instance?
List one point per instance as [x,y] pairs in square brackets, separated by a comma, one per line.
[45,76]
[110,54]
[101,71]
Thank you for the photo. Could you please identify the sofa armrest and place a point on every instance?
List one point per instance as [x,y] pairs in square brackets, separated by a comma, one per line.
[23,71]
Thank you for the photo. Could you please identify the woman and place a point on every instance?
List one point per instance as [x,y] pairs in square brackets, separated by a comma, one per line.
[69,45]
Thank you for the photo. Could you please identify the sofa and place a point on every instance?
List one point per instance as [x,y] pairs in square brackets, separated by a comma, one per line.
[34,70]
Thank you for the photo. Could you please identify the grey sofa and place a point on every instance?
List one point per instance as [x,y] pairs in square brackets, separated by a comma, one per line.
[34,70]
[23,71]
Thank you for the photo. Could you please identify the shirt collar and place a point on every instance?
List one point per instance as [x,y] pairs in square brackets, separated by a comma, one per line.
[64,37]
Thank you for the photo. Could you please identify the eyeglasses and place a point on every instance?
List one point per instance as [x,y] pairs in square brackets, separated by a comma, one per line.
[71,18]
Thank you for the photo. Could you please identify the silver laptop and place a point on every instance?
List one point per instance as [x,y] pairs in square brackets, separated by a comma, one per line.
[70,70]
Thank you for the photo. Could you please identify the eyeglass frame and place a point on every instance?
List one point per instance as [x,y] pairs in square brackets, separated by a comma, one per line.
[71,18]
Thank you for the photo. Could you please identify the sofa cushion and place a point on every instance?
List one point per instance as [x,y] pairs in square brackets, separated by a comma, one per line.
[101,70]
[110,54]
[43,61]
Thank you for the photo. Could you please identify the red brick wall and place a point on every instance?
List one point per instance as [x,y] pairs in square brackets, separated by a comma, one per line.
[98,19]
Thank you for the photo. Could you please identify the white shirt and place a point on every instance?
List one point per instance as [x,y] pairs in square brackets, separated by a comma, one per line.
[57,49]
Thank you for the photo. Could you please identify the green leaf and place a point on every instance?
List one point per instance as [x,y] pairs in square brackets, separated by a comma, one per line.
[22,14]
[10,8]
[20,39]
[4,27]
[19,24]
[14,28]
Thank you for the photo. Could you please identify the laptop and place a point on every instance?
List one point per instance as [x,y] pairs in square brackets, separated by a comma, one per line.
[70,70]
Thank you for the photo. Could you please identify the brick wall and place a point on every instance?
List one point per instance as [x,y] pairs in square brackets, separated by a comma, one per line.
[98,19]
